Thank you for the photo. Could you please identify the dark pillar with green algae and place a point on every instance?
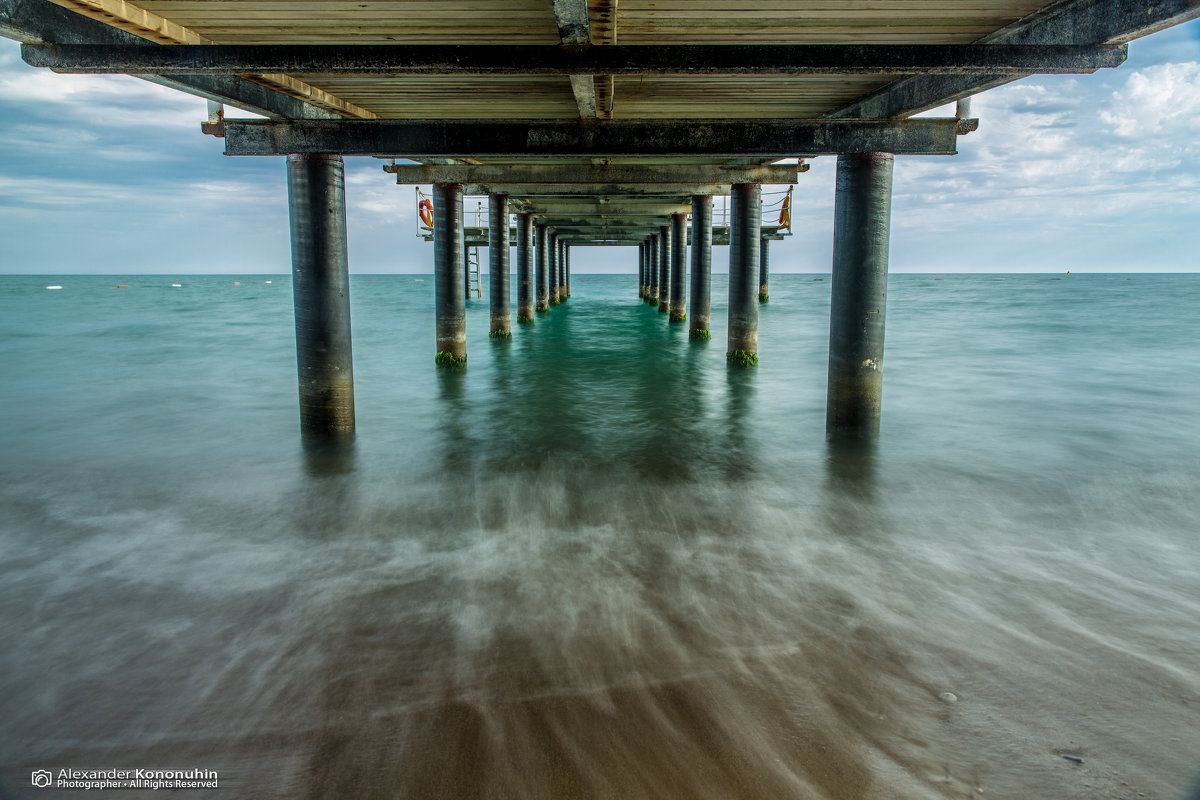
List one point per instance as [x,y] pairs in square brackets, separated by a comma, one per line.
[701,301]
[552,268]
[501,327]
[448,276]
[678,267]
[653,253]
[321,293]
[744,234]
[542,246]
[664,269]
[861,227]
[524,268]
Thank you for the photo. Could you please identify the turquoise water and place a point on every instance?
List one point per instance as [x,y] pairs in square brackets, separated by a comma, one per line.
[600,564]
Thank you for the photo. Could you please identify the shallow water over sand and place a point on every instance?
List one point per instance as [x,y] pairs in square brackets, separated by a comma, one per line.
[598,564]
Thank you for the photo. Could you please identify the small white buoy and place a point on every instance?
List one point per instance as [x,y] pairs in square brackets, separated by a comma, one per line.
[53,287]
[948,697]
[176,285]
[268,281]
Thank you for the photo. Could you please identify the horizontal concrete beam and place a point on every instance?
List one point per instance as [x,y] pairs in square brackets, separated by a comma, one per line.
[586,60]
[676,191]
[1079,22]
[421,174]
[591,138]
[551,174]
[478,237]
[623,210]
[40,22]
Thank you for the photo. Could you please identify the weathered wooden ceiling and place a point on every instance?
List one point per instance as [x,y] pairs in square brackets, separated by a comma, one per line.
[533,22]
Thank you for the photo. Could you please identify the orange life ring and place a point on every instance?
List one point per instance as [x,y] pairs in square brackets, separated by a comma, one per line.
[425,211]
[785,213]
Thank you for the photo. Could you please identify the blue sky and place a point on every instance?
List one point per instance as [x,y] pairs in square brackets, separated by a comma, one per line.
[1101,172]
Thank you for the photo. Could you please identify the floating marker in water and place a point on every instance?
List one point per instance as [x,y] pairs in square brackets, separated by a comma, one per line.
[176,285]
[948,697]
[122,286]
[53,287]
[266,281]
[237,283]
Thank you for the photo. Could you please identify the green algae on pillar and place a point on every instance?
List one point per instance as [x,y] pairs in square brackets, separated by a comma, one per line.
[678,267]
[501,317]
[744,234]
[448,277]
[664,270]
[641,271]
[567,270]
[525,268]
[542,247]
[552,255]
[701,302]
[861,227]
[654,253]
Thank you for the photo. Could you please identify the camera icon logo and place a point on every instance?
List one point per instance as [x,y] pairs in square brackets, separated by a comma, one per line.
[42,778]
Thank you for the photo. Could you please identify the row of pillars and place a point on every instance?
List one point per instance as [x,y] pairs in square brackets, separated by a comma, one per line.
[543,271]
[663,273]
[321,290]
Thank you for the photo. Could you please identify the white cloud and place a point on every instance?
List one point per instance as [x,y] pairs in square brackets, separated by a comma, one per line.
[43,192]
[1161,100]
[371,191]
[97,197]
[116,101]
[1059,152]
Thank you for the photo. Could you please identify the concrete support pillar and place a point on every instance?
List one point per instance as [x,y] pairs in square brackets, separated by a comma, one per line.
[764,267]
[321,293]
[501,327]
[448,277]
[567,269]
[524,268]
[701,266]
[562,271]
[542,248]
[642,270]
[678,267]
[664,269]
[745,231]
[654,251]
[861,227]
[552,255]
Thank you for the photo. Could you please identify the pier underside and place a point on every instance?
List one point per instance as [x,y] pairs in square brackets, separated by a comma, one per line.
[599,123]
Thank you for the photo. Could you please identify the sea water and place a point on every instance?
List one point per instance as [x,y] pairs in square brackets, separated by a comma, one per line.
[599,563]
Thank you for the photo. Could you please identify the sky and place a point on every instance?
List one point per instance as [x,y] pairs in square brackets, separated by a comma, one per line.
[111,175]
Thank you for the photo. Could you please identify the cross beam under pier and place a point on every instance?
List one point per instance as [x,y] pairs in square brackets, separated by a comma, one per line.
[548,177]
[478,237]
[584,59]
[585,190]
[589,139]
